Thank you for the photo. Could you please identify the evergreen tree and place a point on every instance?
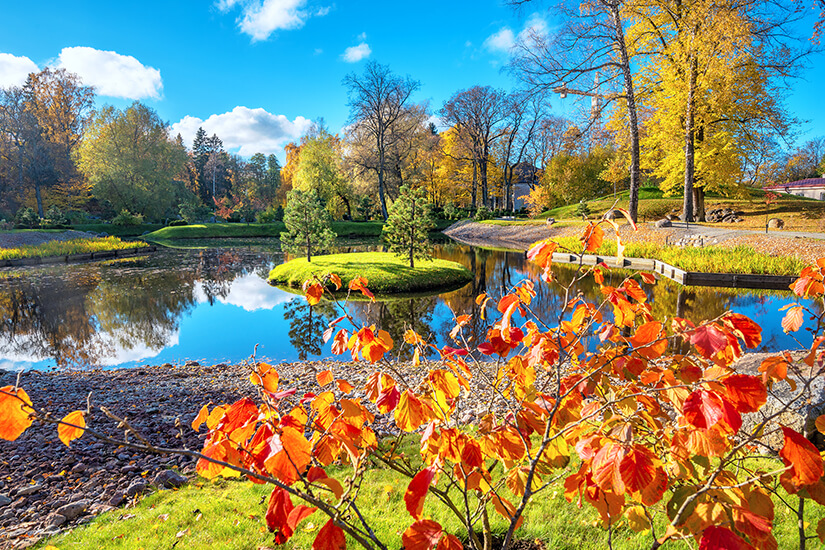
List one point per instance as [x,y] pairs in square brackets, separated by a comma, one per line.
[308,224]
[407,229]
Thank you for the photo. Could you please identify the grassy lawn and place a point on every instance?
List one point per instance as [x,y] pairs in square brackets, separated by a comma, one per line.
[386,272]
[256,230]
[741,259]
[228,515]
[118,230]
[66,248]
[799,213]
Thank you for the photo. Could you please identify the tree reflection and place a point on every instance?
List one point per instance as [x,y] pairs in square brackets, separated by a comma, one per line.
[306,327]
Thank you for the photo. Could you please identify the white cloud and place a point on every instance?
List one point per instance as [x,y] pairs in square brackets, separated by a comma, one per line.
[502,41]
[251,293]
[260,18]
[505,39]
[113,74]
[354,54]
[14,70]
[249,130]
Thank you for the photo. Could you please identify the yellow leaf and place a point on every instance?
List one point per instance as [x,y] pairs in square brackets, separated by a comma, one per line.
[67,434]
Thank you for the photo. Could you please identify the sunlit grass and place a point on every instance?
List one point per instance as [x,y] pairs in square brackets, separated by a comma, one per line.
[67,248]
[709,259]
[386,273]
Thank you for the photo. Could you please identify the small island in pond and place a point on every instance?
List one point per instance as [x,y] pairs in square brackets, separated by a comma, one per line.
[387,273]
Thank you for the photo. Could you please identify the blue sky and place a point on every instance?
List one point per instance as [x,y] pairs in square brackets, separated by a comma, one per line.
[256,72]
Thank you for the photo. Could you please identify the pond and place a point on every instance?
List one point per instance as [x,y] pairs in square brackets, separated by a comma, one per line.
[213,305]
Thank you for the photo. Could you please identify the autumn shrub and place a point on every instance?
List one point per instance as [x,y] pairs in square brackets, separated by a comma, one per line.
[642,419]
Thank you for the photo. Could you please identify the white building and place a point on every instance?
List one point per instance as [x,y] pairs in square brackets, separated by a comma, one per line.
[813,188]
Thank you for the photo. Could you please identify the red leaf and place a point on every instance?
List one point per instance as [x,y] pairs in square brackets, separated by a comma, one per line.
[299,514]
[793,319]
[360,283]
[703,409]
[744,327]
[450,542]
[339,344]
[649,278]
[708,340]
[330,537]
[277,514]
[802,457]
[746,393]
[422,535]
[637,469]
[719,538]
[417,491]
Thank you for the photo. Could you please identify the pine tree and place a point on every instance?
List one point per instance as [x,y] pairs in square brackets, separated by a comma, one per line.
[408,225]
[308,224]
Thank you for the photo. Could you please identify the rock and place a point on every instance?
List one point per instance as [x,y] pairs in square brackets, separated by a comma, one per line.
[73,509]
[613,215]
[29,490]
[55,520]
[776,223]
[4,501]
[78,468]
[117,499]
[137,487]
[169,479]
[192,364]
[664,223]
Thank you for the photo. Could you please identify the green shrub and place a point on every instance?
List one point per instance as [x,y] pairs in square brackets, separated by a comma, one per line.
[583,209]
[272,214]
[483,213]
[178,223]
[126,218]
[26,218]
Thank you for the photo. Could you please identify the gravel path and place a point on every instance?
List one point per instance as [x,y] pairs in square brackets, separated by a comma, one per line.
[34,238]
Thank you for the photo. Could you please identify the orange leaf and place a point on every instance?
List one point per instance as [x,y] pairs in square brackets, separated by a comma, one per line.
[324,377]
[336,280]
[417,490]
[360,283]
[649,278]
[14,412]
[67,434]
[746,393]
[637,470]
[506,509]
[339,344]
[313,292]
[451,542]
[745,328]
[541,252]
[820,424]
[802,457]
[343,386]
[422,535]
[793,319]
[410,412]
[330,537]
[266,376]
[291,458]
[201,418]
[299,514]
[592,238]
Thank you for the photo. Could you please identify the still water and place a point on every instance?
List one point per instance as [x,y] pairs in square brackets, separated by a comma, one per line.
[214,305]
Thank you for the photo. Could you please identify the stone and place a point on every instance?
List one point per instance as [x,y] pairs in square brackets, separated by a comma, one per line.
[169,479]
[192,364]
[664,223]
[55,520]
[117,499]
[73,509]
[4,501]
[28,490]
[137,487]
[78,468]
[776,223]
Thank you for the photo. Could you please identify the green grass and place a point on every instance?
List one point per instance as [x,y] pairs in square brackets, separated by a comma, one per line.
[118,230]
[709,259]
[386,272]
[66,248]
[223,514]
[256,230]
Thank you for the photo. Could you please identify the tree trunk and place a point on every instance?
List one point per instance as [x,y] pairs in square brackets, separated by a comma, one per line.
[475,183]
[699,203]
[381,197]
[687,207]
[412,236]
[39,199]
[485,198]
[635,172]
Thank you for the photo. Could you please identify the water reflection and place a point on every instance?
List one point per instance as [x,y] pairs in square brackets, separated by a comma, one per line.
[213,304]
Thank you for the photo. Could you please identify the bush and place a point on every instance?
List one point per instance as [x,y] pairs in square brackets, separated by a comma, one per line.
[193,210]
[483,213]
[272,214]
[178,223]
[26,218]
[449,211]
[127,219]
[55,217]
[583,209]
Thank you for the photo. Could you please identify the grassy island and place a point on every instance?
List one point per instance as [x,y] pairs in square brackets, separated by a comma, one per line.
[386,273]
[67,248]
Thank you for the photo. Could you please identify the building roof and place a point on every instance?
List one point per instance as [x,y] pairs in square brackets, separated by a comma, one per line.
[810,182]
